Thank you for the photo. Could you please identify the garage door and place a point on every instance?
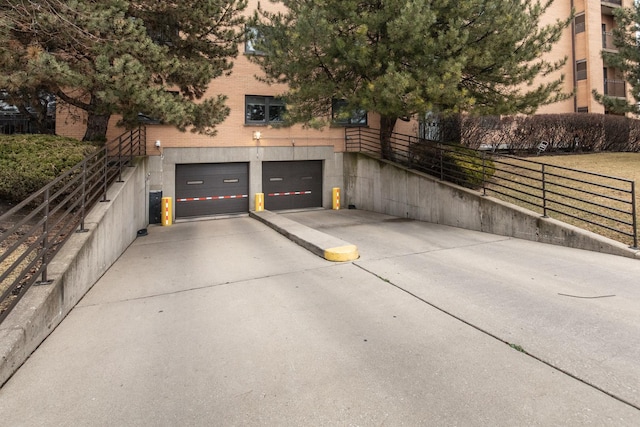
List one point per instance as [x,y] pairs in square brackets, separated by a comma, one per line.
[211,189]
[292,185]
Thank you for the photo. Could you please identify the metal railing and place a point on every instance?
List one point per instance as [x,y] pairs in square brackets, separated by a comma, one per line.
[607,40]
[32,232]
[19,124]
[616,88]
[603,204]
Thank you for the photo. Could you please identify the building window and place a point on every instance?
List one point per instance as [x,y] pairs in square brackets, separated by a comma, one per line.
[263,110]
[343,116]
[253,37]
[581,70]
[579,24]
[583,109]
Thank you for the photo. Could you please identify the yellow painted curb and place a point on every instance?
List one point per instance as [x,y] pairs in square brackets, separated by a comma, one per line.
[342,253]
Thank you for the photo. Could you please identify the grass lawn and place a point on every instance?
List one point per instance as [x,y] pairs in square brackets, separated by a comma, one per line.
[620,165]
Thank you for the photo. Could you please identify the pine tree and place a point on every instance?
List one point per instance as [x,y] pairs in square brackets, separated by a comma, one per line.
[626,59]
[117,57]
[404,58]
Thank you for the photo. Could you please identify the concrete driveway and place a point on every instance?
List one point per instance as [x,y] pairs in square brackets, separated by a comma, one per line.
[226,322]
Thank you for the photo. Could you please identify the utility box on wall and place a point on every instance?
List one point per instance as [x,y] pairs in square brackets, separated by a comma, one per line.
[155,207]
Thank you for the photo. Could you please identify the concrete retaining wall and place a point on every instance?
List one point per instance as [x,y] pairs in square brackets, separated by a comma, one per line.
[382,186]
[80,263]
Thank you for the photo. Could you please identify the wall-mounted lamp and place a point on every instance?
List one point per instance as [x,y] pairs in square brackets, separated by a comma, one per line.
[257,135]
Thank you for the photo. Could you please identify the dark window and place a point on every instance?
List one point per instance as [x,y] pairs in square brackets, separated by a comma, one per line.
[581,70]
[341,114]
[583,109]
[579,24]
[263,110]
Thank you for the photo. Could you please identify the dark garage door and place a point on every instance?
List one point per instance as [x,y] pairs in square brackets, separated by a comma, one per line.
[292,185]
[211,189]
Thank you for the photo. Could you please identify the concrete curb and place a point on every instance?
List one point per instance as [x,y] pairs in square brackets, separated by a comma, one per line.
[317,242]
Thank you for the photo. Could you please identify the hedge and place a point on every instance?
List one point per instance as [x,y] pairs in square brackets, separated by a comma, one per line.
[581,132]
[29,162]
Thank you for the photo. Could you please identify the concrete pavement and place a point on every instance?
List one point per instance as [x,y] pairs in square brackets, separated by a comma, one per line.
[227,322]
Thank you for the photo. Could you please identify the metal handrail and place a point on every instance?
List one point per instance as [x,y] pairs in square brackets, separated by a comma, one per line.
[598,201]
[44,221]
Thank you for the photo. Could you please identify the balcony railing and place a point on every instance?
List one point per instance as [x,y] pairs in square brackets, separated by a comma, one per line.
[607,40]
[615,88]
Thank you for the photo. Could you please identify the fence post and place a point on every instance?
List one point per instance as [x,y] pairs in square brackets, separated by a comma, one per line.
[346,139]
[634,211]
[544,193]
[84,197]
[142,140]
[484,174]
[130,149]
[441,150]
[119,159]
[104,173]
[45,237]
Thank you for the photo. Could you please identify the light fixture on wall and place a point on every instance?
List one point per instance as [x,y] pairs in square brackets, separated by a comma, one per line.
[257,135]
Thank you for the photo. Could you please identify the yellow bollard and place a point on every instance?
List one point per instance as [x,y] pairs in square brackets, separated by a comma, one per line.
[167,215]
[259,202]
[336,198]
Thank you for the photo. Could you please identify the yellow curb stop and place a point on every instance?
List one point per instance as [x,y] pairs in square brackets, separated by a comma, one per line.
[342,253]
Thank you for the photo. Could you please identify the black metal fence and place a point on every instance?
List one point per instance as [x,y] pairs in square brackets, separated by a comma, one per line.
[18,124]
[32,232]
[603,204]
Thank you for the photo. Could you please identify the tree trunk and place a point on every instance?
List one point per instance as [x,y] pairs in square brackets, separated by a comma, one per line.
[387,124]
[96,127]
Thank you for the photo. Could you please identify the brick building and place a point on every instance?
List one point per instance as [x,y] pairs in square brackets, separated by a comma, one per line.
[582,43]
[296,167]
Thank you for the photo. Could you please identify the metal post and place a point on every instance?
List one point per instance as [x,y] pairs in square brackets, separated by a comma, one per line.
[484,174]
[441,150]
[634,212]
[544,193]
[142,140]
[104,173]
[120,158]
[45,236]
[84,197]
[131,149]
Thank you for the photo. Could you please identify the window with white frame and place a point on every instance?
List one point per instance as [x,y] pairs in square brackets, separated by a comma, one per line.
[263,110]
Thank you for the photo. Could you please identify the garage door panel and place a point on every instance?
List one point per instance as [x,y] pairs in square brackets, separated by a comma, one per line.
[292,185]
[211,189]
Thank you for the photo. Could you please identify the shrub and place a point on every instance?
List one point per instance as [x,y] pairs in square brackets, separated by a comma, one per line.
[452,162]
[564,132]
[29,162]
